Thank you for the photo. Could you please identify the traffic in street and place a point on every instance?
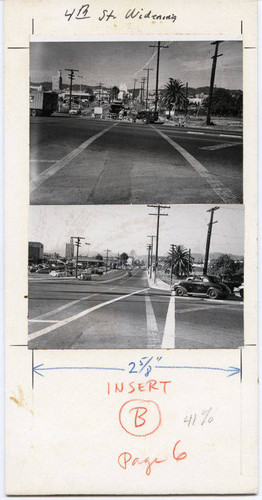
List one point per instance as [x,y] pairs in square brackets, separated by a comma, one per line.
[79,160]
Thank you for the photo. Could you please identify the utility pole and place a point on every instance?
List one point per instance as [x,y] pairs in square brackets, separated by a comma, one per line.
[107,252]
[158,46]
[212,80]
[209,232]
[151,261]
[188,261]
[71,77]
[186,98]
[158,214]
[149,254]
[172,263]
[135,80]
[77,244]
[147,83]
[88,244]
[143,79]
[99,92]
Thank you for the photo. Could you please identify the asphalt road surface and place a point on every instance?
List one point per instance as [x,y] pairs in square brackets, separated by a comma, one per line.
[118,311]
[77,160]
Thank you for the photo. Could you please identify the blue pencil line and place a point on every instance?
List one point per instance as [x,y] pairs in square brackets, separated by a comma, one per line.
[200,368]
[78,368]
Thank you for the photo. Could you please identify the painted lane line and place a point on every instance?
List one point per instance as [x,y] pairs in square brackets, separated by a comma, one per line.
[231,135]
[196,133]
[221,146]
[38,180]
[152,330]
[169,341]
[43,320]
[193,309]
[224,193]
[66,321]
[43,161]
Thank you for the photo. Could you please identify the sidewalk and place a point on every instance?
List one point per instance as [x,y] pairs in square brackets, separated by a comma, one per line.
[159,285]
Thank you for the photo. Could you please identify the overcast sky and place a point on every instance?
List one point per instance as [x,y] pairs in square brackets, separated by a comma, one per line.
[114,63]
[122,228]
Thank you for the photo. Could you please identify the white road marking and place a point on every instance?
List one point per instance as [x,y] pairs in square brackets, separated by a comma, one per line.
[152,330]
[221,146]
[64,322]
[43,320]
[43,161]
[193,309]
[231,135]
[169,341]
[196,133]
[224,193]
[38,180]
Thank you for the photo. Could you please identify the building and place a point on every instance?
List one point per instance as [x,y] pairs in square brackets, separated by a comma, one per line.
[57,82]
[69,251]
[35,251]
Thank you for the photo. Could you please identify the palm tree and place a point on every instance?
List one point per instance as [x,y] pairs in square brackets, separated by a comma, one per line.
[174,93]
[177,261]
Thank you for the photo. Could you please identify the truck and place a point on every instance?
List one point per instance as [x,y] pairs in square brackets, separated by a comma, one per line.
[43,103]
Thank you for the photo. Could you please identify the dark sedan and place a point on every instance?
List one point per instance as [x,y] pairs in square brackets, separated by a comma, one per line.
[209,286]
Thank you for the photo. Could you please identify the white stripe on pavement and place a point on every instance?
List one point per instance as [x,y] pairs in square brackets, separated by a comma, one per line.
[64,322]
[231,135]
[221,146]
[43,161]
[196,133]
[38,180]
[224,193]
[43,320]
[169,341]
[152,330]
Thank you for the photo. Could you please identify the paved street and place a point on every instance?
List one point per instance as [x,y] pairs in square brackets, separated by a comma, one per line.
[205,323]
[75,160]
[118,311]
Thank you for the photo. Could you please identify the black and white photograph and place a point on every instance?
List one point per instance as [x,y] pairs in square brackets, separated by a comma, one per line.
[136,277]
[120,122]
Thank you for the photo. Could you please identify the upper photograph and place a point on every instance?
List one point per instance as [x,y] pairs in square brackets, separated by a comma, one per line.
[136,122]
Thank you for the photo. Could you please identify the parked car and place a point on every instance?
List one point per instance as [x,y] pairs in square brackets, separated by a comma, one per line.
[85,275]
[241,290]
[97,270]
[210,286]
[43,270]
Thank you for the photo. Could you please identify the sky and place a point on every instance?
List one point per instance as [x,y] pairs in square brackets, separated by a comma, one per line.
[122,228]
[113,63]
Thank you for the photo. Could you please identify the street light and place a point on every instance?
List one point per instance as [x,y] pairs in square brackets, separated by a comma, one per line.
[81,78]
[88,244]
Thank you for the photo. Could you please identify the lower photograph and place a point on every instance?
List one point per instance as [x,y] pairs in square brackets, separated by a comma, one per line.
[136,276]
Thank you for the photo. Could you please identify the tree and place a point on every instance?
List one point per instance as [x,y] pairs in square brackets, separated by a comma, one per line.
[178,259]
[173,94]
[226,102]
[226,268]
[114,92]
[123,258]
[101,258]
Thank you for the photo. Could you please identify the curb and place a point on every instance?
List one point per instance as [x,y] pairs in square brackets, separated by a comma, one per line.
[159,285]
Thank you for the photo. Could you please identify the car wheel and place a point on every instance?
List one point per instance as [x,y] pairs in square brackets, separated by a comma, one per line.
[241,293]
[213,293]
[180,291]
[33,113]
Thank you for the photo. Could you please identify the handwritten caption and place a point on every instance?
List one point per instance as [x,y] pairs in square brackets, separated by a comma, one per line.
[85,12]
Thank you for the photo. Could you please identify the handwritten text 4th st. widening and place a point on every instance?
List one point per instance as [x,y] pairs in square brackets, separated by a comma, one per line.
[85,12]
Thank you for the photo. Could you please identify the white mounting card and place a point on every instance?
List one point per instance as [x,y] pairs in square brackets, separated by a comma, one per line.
[114,384]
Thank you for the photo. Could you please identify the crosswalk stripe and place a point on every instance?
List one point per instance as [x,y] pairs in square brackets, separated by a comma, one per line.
[38,180]
[224,193]
[169,341]
[152,330]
